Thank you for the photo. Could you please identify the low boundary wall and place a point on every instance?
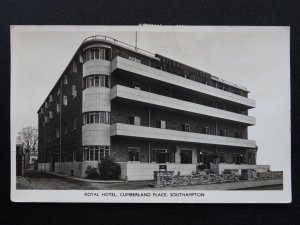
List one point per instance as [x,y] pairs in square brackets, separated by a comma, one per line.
[144,171]
[219,168]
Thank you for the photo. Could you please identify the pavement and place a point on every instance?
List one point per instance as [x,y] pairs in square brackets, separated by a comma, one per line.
[49,181]
[52,181]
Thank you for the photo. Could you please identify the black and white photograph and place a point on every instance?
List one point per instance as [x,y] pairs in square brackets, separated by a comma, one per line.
[150,114]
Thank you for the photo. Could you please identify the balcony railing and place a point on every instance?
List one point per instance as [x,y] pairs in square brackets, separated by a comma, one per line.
[117,42]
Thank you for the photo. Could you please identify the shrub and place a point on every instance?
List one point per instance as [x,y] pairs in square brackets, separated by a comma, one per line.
[91,172]
[109,169]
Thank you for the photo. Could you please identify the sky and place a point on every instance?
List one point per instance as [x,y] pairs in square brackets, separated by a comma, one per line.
[254,57]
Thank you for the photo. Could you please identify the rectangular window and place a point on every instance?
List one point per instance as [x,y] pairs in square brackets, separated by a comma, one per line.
[237,134]
[107,117]
[102,81]
[74,91]
[46,119]
[134,59]
[237,158]
[96,117]
[46,105]
[133,154]
[65,129]
[42,110]
[107,81]
[222,158]
[221,132]
[161,124]
[186,127]
[96,53]
[206,130]
[58,92]
[75,124]
[102,53]
[50,114]
[136,85]
[135,120]
[57,133]
[65,79]
[97,81]
[50,98]
[65,100]
[57,108]
[91,115]
[102,117]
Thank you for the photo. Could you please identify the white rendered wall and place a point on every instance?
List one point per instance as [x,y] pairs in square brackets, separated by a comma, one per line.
[97,66]
[119,129]
[96,99]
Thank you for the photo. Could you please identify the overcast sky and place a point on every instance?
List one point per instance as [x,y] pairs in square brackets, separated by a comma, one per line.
[256,58]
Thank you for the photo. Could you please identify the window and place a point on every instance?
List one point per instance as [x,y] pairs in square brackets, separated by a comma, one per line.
[96,117]
[161,124]
[74,67]
[46,119]
[135,120]
[42,110]
[95,153]
[186,127]
[65,100]
[135,59]
[237,134]
[237,158]
[46,105]
[222,157]
[206,130]
[50,114]
[57,133]
[74,91]
[222,132]
[136,85]
[74,124]
[65,129]
[133,154]
[58,92]
[50,98]
[96,53]
[65,79]
[96,81]
[57,108]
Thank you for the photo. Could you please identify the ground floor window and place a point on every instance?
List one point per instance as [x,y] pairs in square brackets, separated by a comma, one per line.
[222,157]
[133,154]
[161,155]
[95,153]
[237,158]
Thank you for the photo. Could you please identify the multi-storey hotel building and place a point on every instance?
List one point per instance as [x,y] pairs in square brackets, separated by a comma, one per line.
[143,109]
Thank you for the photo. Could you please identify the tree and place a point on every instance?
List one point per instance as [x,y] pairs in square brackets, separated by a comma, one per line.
[28,136]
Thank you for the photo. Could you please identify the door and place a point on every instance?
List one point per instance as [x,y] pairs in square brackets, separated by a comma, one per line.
[207,159]
[52,163]
[186,156]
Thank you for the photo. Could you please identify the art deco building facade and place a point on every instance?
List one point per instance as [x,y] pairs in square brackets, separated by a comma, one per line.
[143,109]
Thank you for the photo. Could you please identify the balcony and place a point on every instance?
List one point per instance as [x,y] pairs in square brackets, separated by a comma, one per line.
[130,66]
[119,129]
[171,103]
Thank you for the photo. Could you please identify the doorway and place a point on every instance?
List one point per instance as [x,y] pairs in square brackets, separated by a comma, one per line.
[186,156]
